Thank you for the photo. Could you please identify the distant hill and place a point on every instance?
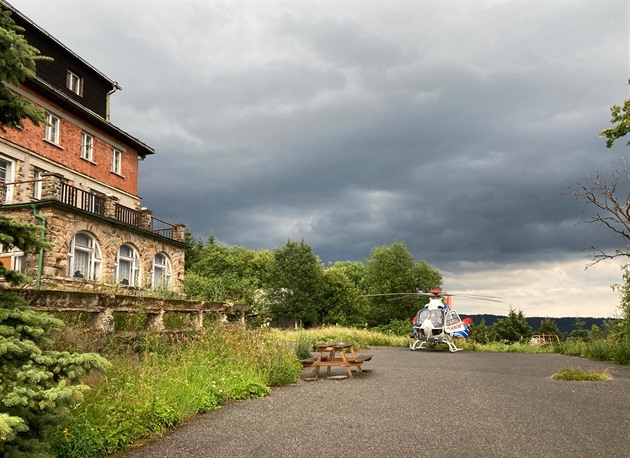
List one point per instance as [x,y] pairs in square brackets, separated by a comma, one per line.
[566,324]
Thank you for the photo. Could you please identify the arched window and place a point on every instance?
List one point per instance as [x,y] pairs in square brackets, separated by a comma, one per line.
[162,271]
[84,257]
[128,266]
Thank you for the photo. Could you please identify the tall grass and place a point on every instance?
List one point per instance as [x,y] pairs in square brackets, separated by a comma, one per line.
[614,351]
[149,391]
[359,338]
[156,382]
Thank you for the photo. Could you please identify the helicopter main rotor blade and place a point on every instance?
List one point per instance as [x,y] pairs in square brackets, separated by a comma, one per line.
[483,298]
[407,296]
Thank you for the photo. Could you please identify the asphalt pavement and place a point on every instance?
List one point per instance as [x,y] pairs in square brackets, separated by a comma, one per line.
[422,404]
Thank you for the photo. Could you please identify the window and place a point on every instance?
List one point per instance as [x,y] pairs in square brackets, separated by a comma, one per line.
[116,159]
[37,183]
[51,132]
[162,271]
[11,258]
[74,82]
[6,176]
[84,257]
[87,146]
[127,266]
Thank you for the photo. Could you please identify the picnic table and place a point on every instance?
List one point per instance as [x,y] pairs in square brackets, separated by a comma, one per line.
[334,354]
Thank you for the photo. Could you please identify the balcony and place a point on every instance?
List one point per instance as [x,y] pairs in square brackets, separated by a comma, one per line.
[52,187]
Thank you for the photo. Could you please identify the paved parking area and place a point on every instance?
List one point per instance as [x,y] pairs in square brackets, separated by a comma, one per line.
[423,403]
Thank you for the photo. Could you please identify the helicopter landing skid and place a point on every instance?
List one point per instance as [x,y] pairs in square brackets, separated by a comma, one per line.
[418,344]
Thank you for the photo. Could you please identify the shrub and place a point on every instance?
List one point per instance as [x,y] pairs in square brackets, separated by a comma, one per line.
[37,385]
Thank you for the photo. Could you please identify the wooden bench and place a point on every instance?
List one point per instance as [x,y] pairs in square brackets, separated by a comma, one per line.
[309,362]
[358,360]
[324,359]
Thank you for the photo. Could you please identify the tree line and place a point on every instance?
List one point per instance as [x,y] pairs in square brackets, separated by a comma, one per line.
[291,282]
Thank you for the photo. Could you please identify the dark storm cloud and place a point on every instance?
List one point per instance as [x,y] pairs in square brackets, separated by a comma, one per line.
[456,127]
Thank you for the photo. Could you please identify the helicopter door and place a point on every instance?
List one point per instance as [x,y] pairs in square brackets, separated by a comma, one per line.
[453,322]
[452,318]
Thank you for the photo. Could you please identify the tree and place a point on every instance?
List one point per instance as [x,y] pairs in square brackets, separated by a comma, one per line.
[612,207]
[37,384]
[579,332]
[17,62]
[295,284]
[549,326]
[343,303]
[355,271]
[513,328]
[392,269]
[610,195]
[194,249]
[217,272]
[482,333]
[620,118]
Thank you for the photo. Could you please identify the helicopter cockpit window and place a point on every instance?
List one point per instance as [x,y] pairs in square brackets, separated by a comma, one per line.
[437,318]
[421,316]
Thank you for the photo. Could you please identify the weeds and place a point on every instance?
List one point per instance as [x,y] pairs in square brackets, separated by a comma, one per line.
[578,375]
[157,381]
[155,386]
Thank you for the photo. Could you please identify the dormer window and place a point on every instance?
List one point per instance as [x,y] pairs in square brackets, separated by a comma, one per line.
[74,82]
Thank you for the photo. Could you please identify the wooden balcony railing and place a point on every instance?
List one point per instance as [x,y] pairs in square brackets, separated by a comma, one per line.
[82,199]
[53,187]
[128,215]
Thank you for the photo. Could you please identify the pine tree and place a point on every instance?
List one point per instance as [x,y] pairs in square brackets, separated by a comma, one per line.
[17,62]
[513,328]
[549,326]
[37,384]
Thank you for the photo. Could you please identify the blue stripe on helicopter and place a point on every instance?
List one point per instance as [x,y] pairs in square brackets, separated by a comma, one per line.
[463,333]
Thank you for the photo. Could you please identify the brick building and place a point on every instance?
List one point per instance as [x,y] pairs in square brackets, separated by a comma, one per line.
[77,174]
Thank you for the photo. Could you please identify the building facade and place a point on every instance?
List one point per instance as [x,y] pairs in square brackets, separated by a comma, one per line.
[77,175]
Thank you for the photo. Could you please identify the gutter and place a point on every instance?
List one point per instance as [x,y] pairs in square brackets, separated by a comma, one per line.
[40,261]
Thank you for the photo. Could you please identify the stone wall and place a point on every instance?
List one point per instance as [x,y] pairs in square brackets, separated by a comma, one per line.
[103,306]
[62,223]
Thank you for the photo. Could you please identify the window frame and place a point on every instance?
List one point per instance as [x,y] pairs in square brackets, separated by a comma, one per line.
[94,260]
[87,146]
[74,82]
[166,269]
[135,278]
[52,129]
[9,172]
[37,183]
[15,255]
[116,166]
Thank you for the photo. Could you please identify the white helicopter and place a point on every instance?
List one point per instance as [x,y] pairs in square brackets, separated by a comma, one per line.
[436,323]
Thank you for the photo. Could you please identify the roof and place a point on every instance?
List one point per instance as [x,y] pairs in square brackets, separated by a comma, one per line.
[73,106]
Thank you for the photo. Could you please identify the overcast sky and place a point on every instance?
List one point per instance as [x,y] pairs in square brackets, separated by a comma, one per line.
[456,127]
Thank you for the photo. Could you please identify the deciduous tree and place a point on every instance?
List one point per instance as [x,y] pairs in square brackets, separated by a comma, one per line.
[343,303]
[295,287]
[392,269]
[620,118]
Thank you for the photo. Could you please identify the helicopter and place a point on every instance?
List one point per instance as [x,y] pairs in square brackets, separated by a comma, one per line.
[436,323]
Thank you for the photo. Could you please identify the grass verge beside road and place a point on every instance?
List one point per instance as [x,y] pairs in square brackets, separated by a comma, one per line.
[156,383]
